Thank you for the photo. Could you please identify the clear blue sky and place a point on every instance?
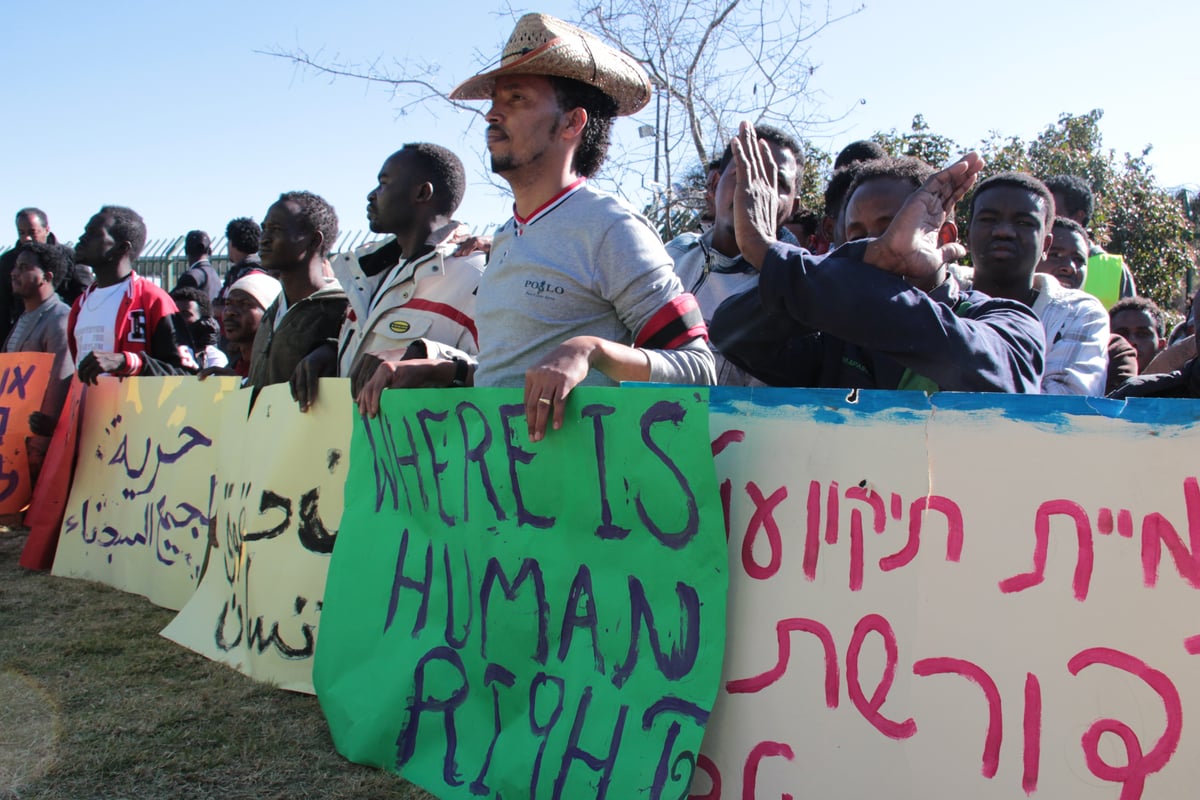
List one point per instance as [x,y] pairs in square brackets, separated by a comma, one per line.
[168,107]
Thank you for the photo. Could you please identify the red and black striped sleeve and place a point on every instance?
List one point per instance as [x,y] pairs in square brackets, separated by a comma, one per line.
[673,325]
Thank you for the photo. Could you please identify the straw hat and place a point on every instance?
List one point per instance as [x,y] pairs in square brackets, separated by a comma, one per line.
[545,45]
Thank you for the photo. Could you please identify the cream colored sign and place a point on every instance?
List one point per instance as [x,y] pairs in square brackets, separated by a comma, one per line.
[137,518]
[984,597]
[278,506]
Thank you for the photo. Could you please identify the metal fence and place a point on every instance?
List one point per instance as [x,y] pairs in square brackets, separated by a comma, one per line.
[163,260]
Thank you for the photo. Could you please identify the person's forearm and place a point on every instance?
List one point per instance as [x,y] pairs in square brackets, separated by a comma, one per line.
[620,362]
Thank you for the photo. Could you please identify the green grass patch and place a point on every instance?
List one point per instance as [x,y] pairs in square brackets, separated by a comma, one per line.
[95,704]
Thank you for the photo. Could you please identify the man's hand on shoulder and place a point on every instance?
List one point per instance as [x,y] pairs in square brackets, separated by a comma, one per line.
[468,244]
[909,247]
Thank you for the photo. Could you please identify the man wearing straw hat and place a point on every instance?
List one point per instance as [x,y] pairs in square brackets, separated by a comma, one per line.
[579,289]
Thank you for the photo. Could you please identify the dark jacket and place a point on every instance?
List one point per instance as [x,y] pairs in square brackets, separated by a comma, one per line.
[202,276]
[1183,382]
[835,322]
[310,323]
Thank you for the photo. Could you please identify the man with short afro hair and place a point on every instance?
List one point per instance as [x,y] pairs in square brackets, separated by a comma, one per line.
[832,231]
[902,176]
[409,289]
[242,236]
[1073,198]
[1140,322]
[42,328]
[32,226]
[298,231]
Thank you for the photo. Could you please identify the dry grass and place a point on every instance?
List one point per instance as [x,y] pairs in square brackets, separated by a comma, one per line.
[95,704]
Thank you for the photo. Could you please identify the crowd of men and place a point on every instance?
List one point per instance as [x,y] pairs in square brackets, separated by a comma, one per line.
[578,289]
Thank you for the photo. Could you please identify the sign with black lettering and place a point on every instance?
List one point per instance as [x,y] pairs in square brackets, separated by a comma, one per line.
[527,620]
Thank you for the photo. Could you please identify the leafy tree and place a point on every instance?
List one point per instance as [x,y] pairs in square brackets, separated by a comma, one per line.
[1189,202]
[817,165]
[919,142]
[1148,227]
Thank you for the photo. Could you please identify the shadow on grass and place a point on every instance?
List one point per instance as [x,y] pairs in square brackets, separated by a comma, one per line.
[95,704]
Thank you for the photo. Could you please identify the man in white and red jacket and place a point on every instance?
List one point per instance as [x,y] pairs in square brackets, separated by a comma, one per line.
[123,324]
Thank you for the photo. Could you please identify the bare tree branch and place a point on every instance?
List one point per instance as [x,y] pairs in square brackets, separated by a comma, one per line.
[711,63]
[714,63]
[411,85]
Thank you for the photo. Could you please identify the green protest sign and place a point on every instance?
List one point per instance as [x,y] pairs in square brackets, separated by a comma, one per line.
[509,619]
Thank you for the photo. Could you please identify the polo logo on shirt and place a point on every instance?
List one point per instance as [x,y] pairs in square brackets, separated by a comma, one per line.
[137,326]
[399,326]
[542,288]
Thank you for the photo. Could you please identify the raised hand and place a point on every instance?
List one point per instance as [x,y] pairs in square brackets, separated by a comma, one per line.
[909,247]
[755,215]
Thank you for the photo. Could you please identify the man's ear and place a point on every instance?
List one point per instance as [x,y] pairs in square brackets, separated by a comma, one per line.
[576,121]
[826,228]
[1047,241]
[948,233]
[424,193]
[714,178]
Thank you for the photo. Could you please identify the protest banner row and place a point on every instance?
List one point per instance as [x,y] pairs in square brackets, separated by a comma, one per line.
[968,595]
